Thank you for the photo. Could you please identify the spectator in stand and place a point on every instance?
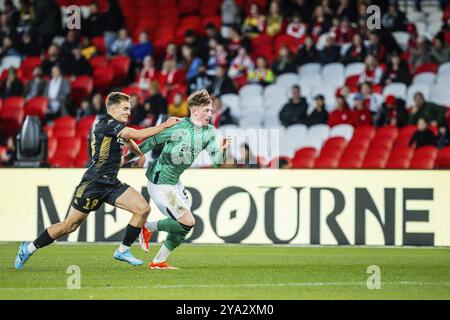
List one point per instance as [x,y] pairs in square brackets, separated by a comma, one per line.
[8,155]
[394,19]
[240,66]
[57,92]
[331,52]
[221,83]
[179,107]
[200,81]
[70,43]
[148,73]
[327,7]
[361,116]
[142,49]
[98,107]
[88,50]
[340,115]
[376,47]
[171,78]
[254,23]
[28,45]
[295,111]
[113,21]
[8,49]
[296,28]
[138,113]
[421,54]
[274,24]
[211,62]
[370,100]
[431,112]
[212,33]
[261,74]
[76,65]
[320,23]
[171,52]
[307,53]
[344,32]
[26,16]
[284,62]
[319,114]
[372,72]
[198,45]
[47,22]
[12,86]
[356,52]
[234,42]
[84,110]
[36,86]
[303,8]
[122,45]
[155,104]
[440,51]
[392,113]
[94,24]
[191,63]
[221,114]
[423,136]
[218,56]
[230,17]
[346,11]
[443,138]
[397,71]
[53,59]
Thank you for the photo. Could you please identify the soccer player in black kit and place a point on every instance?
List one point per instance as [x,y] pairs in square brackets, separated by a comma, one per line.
[100,184]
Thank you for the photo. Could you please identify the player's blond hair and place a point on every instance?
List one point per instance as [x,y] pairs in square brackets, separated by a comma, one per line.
[199,99]
[115,98]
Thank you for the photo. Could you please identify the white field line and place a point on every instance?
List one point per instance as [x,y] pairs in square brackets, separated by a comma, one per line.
[249,285]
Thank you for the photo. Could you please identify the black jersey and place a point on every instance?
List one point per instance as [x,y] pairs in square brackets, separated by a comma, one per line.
[106,150]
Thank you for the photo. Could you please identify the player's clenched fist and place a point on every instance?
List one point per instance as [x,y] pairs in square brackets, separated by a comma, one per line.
[171,121]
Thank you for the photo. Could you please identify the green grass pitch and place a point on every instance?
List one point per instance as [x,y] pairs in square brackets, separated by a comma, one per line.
[230,272]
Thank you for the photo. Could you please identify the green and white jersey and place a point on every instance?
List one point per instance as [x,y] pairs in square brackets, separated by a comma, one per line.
[183,143]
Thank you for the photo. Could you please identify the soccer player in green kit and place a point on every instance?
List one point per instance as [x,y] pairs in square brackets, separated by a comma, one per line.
[183,142]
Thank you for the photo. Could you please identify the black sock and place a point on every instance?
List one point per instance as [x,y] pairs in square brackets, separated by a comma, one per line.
[131,234]
[43,240]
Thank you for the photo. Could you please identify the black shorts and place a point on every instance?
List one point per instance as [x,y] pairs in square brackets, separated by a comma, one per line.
[90,195]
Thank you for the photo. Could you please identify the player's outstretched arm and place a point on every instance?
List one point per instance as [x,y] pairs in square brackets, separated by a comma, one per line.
[134,149]
[130,133]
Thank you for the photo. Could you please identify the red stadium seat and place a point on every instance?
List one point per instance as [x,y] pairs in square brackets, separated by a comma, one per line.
[304,162]
[355,152]
[14,102]
[103,77]
[398,163]
[121,66]
[427,67]
[65,122]
[28,65]
[422,163]
[443,158]
[61,162]
[350,162]
[387,133]
[328,162]
[374,162]
[63,132]
[98,61]
[335,143]
[404,136]
[36,106]
[99,43]
[68,147]
[81,88]
[367,132]
[11,118]
[426,152]
[359,142]
[402,152]
[382,142]
[51,147]
[305,153]
[189,7]
[84,126]
[378,151]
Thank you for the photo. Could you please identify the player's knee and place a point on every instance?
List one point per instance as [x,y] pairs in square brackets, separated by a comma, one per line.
[143,210]
[189,220]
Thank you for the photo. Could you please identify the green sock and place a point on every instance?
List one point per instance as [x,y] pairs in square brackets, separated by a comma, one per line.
[173,240]
[171,226]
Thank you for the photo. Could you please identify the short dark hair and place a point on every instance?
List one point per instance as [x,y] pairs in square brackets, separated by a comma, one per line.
[116,97]
[296,86]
